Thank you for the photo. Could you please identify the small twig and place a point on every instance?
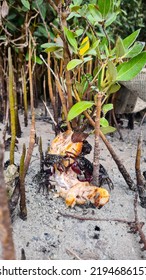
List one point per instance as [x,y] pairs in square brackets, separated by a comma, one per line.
[23,208]
[28,23]
[55,123]
[96,219]
[73,254]
[141,185]
[84,33]
[144,116]
[117,125]
[134,225]
[53,5]
[114,117]
[51,71]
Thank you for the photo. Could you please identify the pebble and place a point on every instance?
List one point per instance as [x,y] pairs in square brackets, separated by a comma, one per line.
[35,238]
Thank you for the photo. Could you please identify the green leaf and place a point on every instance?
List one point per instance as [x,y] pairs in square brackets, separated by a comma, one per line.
[95,12]
[106,50]
[112,71]
[86,59]
[73,63]
[128,41]
[59,53]
[79,108]
[79,32]
[114,88]
[41,32]
[104,7]
[74,8]
[91,19]
[26,4]
[72,15]
[128,70]
[83,85]
[51,47]
[2,38]
[135,50]
[110,18]
[43,10]
[104,122]
[39,3]
[71,39]
[77,2]
[37,60]
[108,129]
[107,107]
[119,49]
[93,49]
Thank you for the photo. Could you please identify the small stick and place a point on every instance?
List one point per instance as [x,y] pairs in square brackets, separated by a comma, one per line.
[73,254]
[23,208]
[55,123]
[95,219]
[137,161]
[44,91]
[144,116]
[53,5]
[51,70]
[114,118]
[141,185]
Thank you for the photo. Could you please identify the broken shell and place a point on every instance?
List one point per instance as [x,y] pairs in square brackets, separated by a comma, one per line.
[83,193]
[63,144]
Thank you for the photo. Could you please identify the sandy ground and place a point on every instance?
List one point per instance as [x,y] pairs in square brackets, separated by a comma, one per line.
[46,234]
